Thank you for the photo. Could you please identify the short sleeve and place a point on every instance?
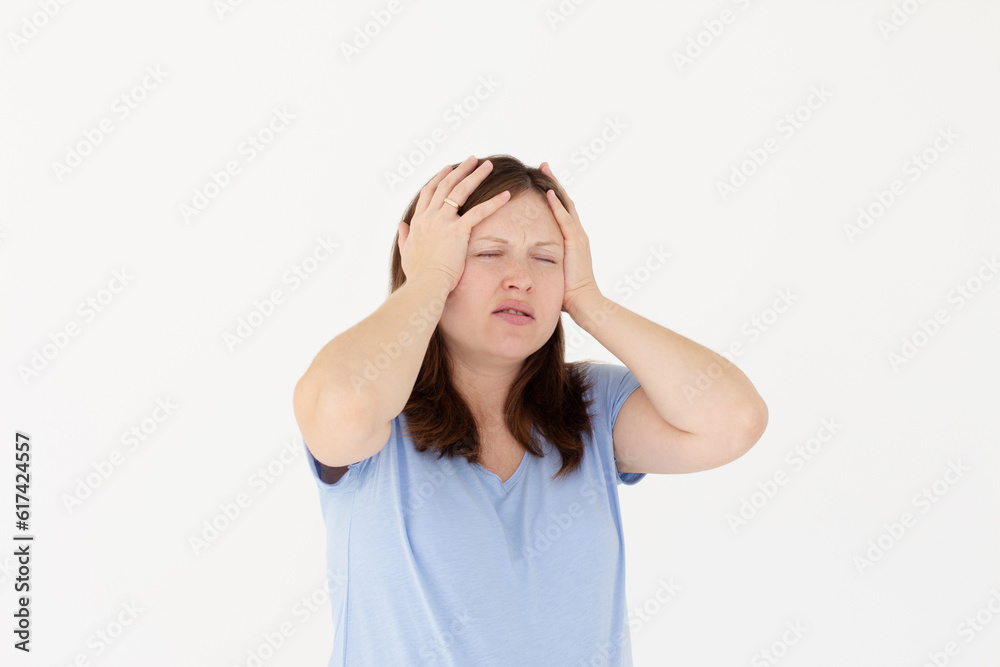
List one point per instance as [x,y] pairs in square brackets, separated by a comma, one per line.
[613,384]
[347,482]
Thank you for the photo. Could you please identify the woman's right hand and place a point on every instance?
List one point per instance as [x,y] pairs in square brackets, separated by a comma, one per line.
[437,238]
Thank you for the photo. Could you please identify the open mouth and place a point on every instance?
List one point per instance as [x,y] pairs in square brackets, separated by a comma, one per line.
[513,316]
[515,312]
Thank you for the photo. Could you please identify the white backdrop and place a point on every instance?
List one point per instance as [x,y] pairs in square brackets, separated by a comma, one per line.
[197,196]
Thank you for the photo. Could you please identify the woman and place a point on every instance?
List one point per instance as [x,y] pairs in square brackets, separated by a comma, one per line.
[468,475]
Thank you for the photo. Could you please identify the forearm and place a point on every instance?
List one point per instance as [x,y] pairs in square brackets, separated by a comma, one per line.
[370,369]
[692,387]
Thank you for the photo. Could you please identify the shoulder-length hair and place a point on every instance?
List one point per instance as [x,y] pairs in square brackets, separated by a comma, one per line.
[548,393]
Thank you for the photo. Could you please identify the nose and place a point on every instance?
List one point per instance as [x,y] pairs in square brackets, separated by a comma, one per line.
[518,274]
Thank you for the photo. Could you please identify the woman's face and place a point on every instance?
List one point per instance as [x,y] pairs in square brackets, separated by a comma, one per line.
[528,267]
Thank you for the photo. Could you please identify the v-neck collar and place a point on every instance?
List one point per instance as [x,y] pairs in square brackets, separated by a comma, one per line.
[512,480]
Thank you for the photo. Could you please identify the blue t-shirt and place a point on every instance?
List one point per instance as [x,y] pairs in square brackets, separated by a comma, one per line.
[436,562]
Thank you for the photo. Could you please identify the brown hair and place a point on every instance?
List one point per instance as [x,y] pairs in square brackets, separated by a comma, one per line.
[548,392]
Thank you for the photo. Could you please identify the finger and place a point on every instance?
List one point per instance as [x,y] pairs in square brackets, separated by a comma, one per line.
[545,167]
[547,170]
[562,216]
[449,182]
[461,192]
[426,192]
[477,213]
[558,210]
[403,230]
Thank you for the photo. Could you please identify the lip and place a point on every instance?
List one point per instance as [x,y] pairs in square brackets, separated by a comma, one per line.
[516,305]
[511,318]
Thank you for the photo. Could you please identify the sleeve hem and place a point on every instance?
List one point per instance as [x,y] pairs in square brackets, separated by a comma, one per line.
[344,484]
[630,478]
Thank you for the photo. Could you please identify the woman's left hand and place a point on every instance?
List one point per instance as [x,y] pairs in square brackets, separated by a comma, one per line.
[577,263]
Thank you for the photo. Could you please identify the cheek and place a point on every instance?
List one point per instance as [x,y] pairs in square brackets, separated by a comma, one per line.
[469,294]
[557,279]
[469,284]
[555,289]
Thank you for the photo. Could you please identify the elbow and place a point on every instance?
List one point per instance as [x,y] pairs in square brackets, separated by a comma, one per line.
[747,429]
[304,397]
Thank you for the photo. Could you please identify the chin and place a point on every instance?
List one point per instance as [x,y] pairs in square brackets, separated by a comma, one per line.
[518,351]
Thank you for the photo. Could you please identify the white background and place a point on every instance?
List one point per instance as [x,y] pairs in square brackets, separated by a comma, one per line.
[683,129]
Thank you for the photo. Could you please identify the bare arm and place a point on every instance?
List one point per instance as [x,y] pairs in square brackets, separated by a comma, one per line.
[362,379]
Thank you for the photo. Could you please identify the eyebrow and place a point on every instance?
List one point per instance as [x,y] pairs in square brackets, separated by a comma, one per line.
[506,242]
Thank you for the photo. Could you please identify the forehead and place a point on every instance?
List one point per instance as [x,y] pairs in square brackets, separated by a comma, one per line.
[525,218]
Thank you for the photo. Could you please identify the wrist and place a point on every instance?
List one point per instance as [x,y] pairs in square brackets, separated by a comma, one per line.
[432,287]
[590,308]
[435,281]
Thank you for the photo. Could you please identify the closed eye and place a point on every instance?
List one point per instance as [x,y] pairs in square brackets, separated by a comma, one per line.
[496,254]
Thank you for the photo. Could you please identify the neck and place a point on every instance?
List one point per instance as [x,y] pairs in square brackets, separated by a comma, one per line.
[485,389]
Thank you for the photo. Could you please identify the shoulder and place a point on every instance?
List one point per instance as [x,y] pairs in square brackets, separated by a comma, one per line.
[610,386]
